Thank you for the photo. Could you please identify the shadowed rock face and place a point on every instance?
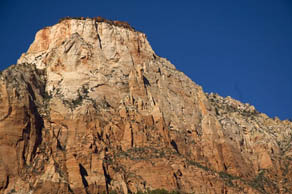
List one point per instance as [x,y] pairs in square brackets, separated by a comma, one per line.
[90,108]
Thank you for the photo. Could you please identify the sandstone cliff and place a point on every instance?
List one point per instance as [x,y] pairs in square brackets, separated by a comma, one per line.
[90,108]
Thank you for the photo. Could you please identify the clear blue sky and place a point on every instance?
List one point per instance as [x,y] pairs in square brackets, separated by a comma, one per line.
[235,48]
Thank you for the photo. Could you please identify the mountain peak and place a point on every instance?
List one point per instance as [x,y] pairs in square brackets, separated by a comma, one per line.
[112,38]
[90,108]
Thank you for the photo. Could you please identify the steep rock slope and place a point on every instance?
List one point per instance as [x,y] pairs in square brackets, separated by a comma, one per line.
[90,108]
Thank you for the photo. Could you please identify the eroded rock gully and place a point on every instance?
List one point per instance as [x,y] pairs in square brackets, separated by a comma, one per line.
[90,108]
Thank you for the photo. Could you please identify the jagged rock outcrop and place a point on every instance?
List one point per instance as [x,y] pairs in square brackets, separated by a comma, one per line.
[90,108]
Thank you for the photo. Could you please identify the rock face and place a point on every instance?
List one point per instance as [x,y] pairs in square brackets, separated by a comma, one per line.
[90,108]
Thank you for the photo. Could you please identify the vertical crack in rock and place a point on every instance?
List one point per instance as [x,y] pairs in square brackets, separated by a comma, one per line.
[106,176]
[98,36]
[83,174]
[172,142]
